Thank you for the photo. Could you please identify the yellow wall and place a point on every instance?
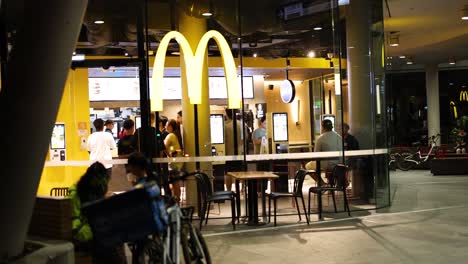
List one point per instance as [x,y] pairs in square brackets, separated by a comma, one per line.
[74,109]
[298,133]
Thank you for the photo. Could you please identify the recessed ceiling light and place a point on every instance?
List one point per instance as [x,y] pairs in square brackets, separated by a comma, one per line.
[74,53]
[255,55]
[207,14]
[402,57]
[78,57]
[452,61]
[176,53]
[409,62]
[465,13]
[394,41]
[126,54]
[311,54]
[99,22]
[317,28]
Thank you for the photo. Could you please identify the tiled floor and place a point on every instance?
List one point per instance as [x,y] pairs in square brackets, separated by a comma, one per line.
[427,223]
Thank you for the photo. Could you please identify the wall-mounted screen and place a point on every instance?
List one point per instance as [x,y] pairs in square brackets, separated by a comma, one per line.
[57,141]
[137,122]
[217,128]
[280,127]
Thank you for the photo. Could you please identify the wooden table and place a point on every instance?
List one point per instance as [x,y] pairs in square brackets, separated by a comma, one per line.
[252,178]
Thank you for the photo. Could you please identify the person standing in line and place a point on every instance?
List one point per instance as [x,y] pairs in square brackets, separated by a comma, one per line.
[125,147]
[350,142]
[100,144]
[109,124]
[229,146]
[181,126]
[259,135]
[173,143]
[138,141]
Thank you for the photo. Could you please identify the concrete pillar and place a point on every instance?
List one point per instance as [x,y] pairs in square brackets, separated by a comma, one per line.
[36,76]
[433,105]
[193,29]
[360,98]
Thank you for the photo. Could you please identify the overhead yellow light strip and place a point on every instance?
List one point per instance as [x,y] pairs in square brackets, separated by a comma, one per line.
[194,70]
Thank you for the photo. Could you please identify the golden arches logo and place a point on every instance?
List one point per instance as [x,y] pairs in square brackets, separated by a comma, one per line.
[193,61]
[464,96]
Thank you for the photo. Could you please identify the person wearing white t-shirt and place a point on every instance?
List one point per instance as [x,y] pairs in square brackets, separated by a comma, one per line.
[100,144]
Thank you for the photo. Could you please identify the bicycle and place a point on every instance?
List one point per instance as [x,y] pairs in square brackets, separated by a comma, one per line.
[179,234]
[408,162]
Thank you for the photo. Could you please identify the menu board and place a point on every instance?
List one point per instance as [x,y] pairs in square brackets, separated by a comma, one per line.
[124,88]
[114,89]
[57,140]
[218,88]
[280,127]
[217,129]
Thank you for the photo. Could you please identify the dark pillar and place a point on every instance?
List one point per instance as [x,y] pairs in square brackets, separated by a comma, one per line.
[36,75]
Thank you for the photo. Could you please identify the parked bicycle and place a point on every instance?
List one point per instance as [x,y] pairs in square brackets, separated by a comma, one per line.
[180,234]
[155,227]
[414,159]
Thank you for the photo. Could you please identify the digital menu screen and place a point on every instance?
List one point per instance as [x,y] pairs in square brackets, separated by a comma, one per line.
[280,127]
[57,140]
[137,122]
[217,128]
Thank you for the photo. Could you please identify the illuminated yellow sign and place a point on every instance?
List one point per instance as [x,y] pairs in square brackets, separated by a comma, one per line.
[464,96]
[193,62]
[454,108]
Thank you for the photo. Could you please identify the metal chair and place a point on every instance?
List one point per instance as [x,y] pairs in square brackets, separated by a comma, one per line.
[208,196]
[59,191]
[337,182]
[297,193]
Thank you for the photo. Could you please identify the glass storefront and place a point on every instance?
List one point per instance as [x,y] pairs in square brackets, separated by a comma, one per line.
[293,65]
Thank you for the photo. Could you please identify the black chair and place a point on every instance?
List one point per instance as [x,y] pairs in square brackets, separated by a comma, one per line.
[337,182]
[297,193]
[59,191]
[208,196]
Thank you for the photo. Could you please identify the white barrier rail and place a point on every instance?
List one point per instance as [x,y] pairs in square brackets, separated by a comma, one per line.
[285,156]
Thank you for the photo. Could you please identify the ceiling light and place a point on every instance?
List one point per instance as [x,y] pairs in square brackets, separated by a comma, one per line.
[317,28]
[126,54]
[74,53]
[409,62]
[78,57]
[99,22]
[402,57]
[311,54]
[176,53]
[255,55]
[465,13]
[452,61]
[207,14]
[394,41]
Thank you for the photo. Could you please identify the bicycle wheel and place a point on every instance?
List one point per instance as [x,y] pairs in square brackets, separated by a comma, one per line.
[194,246]
[151,252]
[405,164]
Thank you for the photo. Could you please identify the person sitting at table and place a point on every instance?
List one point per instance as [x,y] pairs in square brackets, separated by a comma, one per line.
[329,140]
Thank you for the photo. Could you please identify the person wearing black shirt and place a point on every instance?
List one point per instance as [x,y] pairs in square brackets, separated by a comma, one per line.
[350,142]
[109,126]
[125,145]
